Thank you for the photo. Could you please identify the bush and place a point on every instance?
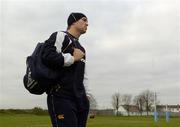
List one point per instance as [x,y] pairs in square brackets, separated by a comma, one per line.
[39,111]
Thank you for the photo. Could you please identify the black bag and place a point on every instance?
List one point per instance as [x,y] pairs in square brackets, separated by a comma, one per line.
[39,78]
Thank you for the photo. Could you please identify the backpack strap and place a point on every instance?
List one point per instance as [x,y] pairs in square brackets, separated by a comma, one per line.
[70,37]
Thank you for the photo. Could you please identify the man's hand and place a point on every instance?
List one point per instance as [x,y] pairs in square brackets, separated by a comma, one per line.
[78,54]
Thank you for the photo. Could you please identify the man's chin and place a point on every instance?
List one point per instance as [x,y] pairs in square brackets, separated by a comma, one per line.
[83,32]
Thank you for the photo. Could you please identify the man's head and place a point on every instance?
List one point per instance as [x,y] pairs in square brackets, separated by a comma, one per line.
[78,21]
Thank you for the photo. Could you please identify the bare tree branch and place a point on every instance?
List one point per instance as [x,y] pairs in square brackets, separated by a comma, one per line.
[116,100]
[126,100]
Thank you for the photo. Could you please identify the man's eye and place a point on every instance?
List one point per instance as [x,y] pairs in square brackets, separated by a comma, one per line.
[84,19]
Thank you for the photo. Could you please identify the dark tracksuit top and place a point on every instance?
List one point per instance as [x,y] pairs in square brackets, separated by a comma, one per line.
[58,54]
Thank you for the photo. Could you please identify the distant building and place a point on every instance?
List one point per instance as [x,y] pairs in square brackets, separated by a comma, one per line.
[134,111]
[102,112]
[170,108]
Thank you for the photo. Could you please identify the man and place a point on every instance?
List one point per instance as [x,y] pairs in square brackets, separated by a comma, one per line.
[68,105]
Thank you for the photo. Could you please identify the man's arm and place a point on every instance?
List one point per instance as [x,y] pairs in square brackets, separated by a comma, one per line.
[52,55]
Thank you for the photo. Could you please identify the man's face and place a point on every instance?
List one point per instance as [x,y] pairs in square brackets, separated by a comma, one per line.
[82,24]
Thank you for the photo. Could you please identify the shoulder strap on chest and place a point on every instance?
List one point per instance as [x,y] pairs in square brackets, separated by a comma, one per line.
[59,40]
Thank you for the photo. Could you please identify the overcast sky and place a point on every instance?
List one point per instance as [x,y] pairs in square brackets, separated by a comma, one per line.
[132,45]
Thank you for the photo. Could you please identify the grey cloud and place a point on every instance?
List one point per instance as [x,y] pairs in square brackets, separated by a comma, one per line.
[131,46]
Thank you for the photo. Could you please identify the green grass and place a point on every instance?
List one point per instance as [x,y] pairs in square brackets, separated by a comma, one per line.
[26,120]
[132,122]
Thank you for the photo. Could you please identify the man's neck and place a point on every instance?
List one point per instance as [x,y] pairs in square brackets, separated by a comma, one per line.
[74,33]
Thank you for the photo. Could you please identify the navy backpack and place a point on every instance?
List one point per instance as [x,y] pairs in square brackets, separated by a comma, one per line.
[39,78]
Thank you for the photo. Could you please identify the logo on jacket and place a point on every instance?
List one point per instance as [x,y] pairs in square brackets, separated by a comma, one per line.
[61,116]
[83,60]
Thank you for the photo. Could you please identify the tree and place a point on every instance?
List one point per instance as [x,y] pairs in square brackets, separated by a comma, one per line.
[148,99]
[126,100]
[38,111]
[116,100]
[138,101]
[92,101]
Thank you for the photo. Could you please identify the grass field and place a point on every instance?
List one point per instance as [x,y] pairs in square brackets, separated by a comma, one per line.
[25,120]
